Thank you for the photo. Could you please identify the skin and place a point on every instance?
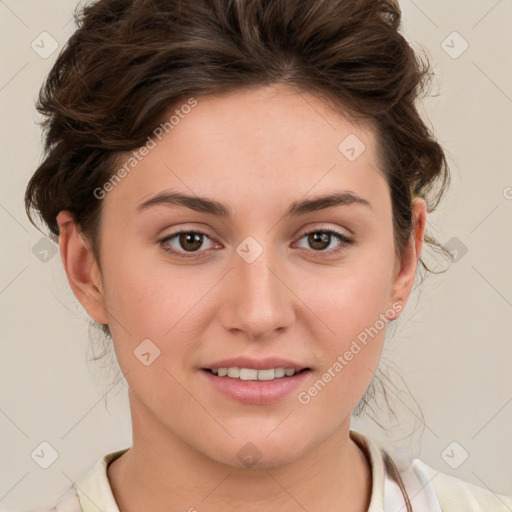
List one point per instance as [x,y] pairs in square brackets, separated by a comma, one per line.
[256,150]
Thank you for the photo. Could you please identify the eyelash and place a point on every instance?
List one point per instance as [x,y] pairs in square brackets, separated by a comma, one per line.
[344,241]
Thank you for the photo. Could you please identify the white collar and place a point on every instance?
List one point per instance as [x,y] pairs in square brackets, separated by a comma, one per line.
[386,493]
[95,493]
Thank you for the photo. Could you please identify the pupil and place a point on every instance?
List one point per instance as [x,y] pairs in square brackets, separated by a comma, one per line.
[319,238]
[185,238]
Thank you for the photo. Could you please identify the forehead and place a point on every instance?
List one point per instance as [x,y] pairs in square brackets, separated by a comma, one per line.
[255,146]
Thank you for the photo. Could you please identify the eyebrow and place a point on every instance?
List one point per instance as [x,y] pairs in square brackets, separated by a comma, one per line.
[297,208]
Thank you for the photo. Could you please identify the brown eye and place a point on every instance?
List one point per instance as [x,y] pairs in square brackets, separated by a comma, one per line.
[185,242]
[320,240]
[190,241]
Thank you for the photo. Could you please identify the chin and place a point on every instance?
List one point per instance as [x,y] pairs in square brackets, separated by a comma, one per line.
[258,451]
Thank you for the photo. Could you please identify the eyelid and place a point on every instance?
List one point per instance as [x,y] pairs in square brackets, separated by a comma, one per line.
[328,229]
[183,254]
[343,239]
[187,229]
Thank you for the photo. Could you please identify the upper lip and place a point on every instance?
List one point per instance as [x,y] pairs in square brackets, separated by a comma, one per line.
[256,364]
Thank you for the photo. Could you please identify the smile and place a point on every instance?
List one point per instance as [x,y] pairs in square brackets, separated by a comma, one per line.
[255,386]
[253,374]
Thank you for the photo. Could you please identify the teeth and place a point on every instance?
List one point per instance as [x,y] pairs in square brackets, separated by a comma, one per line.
[266,374]
[252,374]
[234,373]
[247,374]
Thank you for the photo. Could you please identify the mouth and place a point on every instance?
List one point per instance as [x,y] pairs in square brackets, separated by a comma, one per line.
[252,374]
[256,386]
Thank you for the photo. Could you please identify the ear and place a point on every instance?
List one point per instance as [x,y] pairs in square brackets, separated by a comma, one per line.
[81,268]
[406,266]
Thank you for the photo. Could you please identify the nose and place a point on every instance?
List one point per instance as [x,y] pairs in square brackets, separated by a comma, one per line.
[257,299]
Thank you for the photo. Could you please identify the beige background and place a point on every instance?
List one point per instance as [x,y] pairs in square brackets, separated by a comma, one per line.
[453,347]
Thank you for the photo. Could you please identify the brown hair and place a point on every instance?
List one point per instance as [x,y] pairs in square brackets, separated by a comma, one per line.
[131,60]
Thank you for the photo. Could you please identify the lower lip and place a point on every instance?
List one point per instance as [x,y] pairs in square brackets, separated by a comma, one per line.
[256,392]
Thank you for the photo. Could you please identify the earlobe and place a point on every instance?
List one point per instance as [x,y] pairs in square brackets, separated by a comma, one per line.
[404,277]
[81,268]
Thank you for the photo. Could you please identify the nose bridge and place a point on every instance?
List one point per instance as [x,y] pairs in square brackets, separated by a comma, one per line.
[259,301]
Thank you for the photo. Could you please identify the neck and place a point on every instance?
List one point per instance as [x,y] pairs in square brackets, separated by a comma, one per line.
[160,471]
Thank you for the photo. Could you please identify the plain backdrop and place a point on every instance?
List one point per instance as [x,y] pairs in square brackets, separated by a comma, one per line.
[452,348]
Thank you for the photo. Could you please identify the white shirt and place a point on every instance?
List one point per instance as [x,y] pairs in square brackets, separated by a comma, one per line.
[428,490]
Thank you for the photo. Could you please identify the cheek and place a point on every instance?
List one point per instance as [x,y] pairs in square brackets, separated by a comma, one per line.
[144,294]
[352,303]
[161,301]
[155,302]
[353,297]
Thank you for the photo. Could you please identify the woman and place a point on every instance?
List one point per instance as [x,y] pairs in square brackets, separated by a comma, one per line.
[240,190]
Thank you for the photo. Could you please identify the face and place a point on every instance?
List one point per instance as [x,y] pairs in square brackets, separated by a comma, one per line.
[259,283]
